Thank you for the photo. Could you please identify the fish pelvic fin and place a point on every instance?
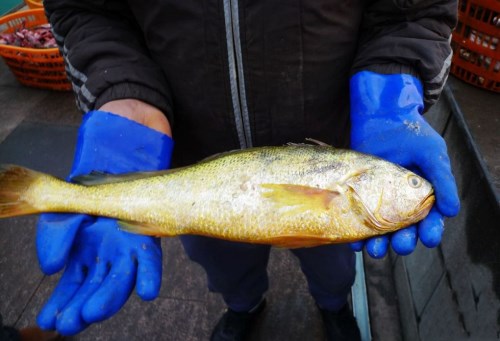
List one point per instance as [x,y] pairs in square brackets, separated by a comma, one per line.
[15,181]
[302,197]
[298,241]
[142,228]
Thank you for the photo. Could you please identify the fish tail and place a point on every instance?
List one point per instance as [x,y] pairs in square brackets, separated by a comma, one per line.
[15,181]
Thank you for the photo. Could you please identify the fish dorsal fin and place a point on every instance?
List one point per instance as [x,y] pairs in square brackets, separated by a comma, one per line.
[304,197]
[352,176]
[101,178]
[314,141]
[318,142]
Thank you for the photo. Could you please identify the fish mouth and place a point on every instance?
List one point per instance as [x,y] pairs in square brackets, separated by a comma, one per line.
[379,223]
[423,208]
[419,213]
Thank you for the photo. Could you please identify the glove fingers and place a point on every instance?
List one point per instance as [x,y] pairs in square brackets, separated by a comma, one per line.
[438,171]
[55,235]
[68,285]
[149,271]
[113,293]
[70,321]
[357,246]
[430,230]
[377,247]
[404,241]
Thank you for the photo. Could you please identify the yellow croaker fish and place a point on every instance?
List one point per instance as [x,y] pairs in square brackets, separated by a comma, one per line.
[289,196]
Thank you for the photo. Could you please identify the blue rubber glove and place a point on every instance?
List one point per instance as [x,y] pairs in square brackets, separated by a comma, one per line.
[386,121]
[103,263]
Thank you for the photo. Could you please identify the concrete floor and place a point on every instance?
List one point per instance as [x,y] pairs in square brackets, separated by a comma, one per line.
[38,130]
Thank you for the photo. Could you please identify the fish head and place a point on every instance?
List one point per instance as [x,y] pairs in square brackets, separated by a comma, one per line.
[391,197]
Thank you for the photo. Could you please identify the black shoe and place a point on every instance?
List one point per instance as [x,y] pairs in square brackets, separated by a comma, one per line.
[236,326]
[340,326]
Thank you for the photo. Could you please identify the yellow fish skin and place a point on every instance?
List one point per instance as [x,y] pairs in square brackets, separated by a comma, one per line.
[289,196]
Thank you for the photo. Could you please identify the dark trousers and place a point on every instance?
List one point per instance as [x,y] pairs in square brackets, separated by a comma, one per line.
[238,271]
[8,333]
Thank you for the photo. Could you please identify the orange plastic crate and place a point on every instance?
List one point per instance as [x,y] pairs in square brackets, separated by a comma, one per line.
[40,68]
[475,43]
[34,3]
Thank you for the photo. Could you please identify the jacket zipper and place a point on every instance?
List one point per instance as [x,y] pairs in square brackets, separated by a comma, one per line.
[236,74]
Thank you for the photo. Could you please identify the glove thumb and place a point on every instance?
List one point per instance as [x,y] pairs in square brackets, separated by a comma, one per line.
[55,235]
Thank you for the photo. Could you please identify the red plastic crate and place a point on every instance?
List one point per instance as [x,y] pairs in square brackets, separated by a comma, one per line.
[34,3]
[475,43]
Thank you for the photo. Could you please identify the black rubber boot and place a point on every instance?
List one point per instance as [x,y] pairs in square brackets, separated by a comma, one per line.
[341,325]
[236,326]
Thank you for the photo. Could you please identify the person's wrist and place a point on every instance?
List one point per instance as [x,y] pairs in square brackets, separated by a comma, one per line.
[140,112]
[115,144]
[375,95]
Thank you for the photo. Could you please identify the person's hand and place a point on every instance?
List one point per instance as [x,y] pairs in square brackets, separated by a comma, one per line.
[102,263]
[103,266]
[386,121]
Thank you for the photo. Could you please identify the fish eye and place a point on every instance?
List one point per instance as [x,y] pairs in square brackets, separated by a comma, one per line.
[414,181]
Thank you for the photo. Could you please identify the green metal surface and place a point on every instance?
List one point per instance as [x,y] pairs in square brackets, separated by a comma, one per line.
[360,300]
[8,5]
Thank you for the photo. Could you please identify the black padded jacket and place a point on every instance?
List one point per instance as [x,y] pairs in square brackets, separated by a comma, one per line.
[233,74]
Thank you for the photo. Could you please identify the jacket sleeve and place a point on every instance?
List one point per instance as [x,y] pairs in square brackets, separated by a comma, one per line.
[105,54]
[408,36]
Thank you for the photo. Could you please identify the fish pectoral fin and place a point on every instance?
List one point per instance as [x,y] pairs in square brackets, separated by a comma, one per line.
[353,176]
[305,197]
[141,228]
[297,241]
